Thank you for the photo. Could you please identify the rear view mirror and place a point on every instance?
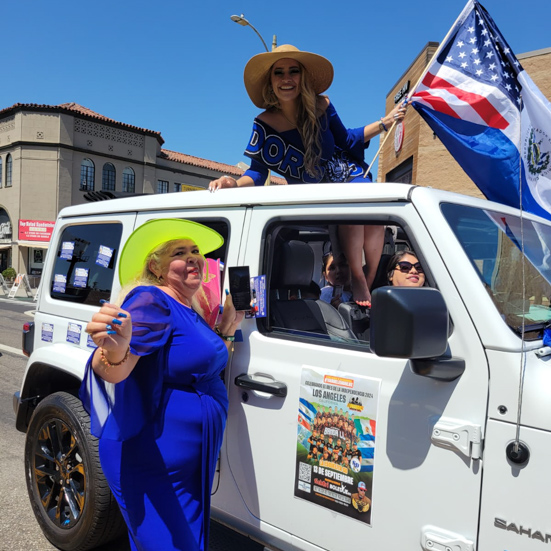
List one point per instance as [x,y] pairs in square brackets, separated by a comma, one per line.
[408,322]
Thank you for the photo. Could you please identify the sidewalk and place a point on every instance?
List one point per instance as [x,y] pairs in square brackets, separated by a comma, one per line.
[21,294]
[25,286]
[17,299]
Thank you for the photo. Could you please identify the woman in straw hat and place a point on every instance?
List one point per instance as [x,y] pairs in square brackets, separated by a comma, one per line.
[301,137]
[153,388]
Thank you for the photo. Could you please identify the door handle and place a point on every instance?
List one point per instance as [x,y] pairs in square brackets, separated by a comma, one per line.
[276,388]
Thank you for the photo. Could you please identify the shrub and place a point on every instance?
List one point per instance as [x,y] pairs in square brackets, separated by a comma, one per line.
[9,273]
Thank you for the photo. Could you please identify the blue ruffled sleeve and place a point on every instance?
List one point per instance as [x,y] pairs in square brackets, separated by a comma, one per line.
[120,411]
[348,139]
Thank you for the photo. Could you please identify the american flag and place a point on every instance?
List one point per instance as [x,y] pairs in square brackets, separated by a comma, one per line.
[477,99]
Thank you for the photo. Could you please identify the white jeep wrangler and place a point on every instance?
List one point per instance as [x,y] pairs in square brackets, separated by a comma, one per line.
[440,396]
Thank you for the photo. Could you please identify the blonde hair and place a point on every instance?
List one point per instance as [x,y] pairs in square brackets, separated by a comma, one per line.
[308,124]
[147,277]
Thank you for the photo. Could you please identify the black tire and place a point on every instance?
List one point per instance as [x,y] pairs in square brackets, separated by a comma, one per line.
[69,495]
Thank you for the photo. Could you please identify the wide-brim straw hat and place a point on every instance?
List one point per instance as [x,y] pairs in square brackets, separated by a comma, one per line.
[319,70]
[153,233]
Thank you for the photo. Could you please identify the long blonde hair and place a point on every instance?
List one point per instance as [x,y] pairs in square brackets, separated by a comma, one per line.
[308,124]
[147,277]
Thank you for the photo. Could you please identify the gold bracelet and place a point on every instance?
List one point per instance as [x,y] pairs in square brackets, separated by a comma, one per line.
[108,364]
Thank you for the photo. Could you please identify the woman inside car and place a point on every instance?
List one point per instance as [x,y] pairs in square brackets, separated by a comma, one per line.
[405,270]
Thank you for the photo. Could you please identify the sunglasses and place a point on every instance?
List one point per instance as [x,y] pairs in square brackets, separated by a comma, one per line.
[405,267]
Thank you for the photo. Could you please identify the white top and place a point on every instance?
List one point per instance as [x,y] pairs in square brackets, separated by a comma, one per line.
[327,295]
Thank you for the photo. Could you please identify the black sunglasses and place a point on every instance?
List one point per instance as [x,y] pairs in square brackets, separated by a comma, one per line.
[405,267]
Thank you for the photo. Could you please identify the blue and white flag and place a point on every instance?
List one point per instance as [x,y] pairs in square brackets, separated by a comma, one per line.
[489,114]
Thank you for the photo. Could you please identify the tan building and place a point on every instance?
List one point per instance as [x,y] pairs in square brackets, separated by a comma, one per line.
[55,156]
[418,156]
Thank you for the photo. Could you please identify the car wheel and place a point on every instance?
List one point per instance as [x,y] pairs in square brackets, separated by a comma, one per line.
[68,491]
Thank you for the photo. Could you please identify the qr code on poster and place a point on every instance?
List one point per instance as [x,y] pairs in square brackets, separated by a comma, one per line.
[305,472]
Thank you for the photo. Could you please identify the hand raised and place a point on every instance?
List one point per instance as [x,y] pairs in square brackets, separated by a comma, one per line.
[111,328]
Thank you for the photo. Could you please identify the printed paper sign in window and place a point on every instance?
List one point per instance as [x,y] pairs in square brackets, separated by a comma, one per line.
[104,256]
[67,249]
[81,277]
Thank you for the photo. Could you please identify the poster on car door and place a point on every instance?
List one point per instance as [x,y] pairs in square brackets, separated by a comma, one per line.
[336,432]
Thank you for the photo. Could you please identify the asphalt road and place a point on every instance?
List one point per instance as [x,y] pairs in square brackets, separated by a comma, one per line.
[19,530]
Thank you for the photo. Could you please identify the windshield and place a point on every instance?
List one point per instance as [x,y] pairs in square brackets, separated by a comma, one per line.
[493,242]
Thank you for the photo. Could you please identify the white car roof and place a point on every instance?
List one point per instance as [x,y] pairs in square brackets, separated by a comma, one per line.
[277,195]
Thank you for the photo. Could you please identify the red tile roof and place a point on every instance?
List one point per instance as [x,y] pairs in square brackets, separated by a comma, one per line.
[75,108]
[211,165]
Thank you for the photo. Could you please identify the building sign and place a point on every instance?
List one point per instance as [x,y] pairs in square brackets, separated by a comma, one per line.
[399,137]
[402,92]
[35,230]
[185,187]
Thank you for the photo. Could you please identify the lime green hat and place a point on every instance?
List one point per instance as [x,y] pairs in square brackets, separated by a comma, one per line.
[153,233]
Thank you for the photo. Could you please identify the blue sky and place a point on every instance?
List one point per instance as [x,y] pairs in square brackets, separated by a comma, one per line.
[177,66]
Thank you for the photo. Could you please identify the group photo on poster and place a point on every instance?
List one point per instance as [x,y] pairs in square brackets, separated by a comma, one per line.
[336,431]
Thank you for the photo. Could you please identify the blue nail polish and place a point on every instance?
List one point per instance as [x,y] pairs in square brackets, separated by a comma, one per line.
[116,321]
[227,292]
[102,301]
[122,315]
[111,332]
[108,327]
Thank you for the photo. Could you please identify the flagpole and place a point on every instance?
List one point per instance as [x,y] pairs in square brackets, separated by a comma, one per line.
[468,6]
[379,150]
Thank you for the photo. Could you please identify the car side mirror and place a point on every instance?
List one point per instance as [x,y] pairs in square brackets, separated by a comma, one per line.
[408,322]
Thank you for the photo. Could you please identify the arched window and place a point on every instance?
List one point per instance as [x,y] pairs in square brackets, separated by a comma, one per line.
[1,172]
[8,170]
[128,180]
[108,178]
[87,175]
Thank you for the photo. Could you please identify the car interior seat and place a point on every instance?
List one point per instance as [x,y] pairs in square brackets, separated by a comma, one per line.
[293,305]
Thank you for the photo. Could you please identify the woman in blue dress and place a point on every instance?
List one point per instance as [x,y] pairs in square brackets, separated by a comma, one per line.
[300,136]
[154,391]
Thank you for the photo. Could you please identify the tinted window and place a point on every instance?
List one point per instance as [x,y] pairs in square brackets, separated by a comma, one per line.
[300,299]
[85,260]
[109,177]
[511,257]
[87,175]
[128,180]
[8,170]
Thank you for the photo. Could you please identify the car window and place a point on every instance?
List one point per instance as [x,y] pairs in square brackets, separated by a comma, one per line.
[84,265]
[209,297]
[511,257]
[301,304]
[86,256]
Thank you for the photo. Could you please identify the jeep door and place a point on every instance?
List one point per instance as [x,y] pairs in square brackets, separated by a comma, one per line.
[419,437]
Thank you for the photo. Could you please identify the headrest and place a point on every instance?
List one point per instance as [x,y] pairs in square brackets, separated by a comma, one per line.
[295,267]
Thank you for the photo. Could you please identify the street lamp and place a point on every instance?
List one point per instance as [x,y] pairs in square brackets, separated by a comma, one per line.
[240,20]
